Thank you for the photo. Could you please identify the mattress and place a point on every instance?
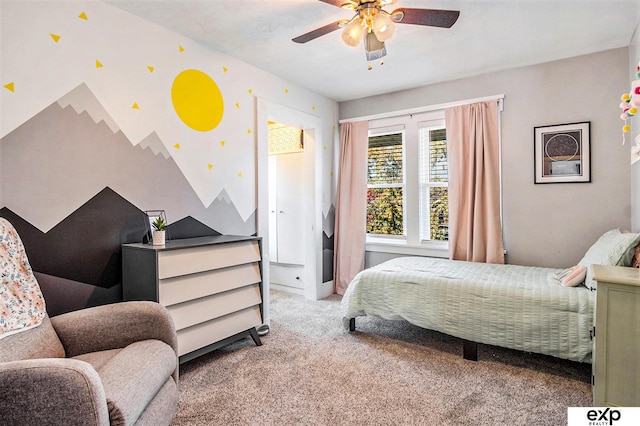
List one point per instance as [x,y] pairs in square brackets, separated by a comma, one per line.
[512,306]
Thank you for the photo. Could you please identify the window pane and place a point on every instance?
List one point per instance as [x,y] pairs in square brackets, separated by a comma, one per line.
[434,177]
[438,156]
[385,160]
[384,211]
[439,215]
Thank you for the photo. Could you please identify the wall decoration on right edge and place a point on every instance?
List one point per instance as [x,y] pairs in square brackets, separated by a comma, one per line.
[562,153]
[630,105]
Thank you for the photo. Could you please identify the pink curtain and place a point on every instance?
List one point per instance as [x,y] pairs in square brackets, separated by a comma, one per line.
[351,204]
[475,231]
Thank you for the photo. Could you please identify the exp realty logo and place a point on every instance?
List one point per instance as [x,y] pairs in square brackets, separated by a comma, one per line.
[603,416]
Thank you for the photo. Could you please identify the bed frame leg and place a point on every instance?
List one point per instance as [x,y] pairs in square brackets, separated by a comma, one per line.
[469,350]
[352,324]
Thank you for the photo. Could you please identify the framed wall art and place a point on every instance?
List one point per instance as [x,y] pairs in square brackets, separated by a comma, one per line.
[151,216]
[562,153]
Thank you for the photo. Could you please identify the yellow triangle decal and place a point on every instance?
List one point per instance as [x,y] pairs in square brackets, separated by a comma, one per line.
[210,166]
[250,91]
[83,16]
[99,64]
[225,69]
[135,106]
[55,37]
[150,68]
[10,87]
[313,107]
[222,143]
[177,146]
[240,174]
[237,104]
[286,90]
[249,131]
[181,49]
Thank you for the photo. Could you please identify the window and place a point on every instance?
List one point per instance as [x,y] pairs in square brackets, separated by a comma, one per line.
[407,181]
[434,178]
[385,185]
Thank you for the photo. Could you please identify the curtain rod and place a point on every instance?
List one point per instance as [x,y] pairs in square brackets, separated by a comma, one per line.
[419,110]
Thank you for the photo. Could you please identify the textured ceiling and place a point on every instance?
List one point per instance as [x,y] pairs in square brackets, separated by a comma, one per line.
[490,35]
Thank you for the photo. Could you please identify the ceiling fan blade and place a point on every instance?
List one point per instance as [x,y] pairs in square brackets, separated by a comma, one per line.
[428,17]
[318,32]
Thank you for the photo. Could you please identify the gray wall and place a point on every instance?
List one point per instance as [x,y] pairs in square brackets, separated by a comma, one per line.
[553,224]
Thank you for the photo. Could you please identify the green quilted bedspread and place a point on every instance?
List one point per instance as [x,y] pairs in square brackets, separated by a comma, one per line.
[517,307]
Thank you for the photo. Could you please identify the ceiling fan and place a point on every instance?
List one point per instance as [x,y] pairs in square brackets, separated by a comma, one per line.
[375,25]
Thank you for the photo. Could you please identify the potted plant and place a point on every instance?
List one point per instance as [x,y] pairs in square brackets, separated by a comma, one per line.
[159,226]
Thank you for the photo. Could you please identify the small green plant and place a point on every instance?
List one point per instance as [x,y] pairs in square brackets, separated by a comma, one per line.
[159,224]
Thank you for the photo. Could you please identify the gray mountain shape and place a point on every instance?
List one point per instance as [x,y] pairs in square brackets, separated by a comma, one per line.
[82,99]
[66,158]
[154,143]
[329,221]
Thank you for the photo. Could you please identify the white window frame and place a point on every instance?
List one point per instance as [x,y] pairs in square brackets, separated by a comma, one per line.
[411,244]
[428,126]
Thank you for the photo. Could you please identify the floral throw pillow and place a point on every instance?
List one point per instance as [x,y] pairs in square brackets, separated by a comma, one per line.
[21,302]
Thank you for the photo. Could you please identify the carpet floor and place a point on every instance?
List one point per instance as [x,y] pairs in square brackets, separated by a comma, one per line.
[311,371]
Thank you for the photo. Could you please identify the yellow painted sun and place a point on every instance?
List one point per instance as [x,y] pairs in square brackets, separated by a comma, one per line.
[197,100]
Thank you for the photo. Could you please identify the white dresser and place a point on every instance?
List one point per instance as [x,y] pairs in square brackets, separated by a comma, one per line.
[212,287]
[616,356]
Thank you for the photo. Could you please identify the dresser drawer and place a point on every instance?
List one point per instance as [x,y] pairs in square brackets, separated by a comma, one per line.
[200,335]
[173,263]
[193,286]
[206,308]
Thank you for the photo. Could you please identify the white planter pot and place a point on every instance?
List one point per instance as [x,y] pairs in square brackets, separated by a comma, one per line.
[158,238]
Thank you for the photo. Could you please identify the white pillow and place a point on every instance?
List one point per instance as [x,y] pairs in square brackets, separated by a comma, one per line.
[612,248]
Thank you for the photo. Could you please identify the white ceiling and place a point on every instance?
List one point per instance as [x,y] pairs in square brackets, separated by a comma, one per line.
[490,35]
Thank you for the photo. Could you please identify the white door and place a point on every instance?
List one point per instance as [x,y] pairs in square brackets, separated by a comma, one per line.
[289,209]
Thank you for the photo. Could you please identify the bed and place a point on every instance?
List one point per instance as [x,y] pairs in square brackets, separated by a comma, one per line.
[518,307]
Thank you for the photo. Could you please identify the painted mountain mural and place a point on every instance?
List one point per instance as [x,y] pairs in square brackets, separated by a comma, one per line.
[78,189]
[67,154]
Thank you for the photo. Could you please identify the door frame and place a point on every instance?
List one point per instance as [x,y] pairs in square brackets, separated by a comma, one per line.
[312,128]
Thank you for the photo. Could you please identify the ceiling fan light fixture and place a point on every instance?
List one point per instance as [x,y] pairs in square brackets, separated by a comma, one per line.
[352,33]
[383,27]
[373,24]
[374,48]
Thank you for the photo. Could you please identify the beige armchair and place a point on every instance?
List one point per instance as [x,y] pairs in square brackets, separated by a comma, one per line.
[109,365]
